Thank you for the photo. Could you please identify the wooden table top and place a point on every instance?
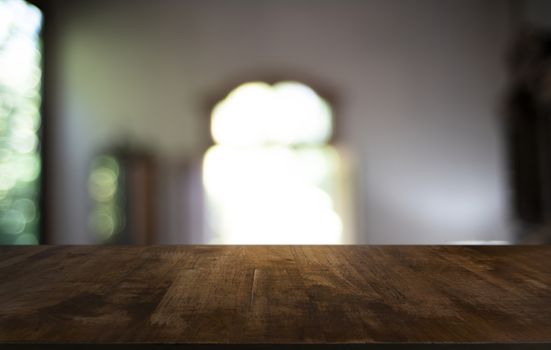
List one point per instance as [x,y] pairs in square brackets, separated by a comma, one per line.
[357,296]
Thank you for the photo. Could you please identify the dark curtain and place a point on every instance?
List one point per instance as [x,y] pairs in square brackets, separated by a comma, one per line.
[529,128]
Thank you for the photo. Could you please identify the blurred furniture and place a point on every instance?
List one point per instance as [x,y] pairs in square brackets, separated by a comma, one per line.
[269,297]
[528,124]
[122,190]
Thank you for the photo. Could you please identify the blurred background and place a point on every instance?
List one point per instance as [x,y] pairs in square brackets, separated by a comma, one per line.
[275,121]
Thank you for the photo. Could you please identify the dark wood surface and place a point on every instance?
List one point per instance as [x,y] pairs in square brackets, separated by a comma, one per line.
[355,296]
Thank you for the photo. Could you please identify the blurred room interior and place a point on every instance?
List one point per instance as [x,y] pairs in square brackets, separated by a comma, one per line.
[275,122]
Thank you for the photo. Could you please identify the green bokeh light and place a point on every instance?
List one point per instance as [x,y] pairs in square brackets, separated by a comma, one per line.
[20,80]
[106,218]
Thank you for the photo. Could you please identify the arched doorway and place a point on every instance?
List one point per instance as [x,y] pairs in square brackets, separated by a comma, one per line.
[272,177]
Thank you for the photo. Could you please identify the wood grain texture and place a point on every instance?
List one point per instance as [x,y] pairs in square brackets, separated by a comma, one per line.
[223,295]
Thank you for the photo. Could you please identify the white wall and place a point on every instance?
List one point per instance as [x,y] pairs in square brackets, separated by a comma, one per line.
[417,83]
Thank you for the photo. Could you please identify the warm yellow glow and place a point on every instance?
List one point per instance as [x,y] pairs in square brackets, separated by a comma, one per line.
[270,179]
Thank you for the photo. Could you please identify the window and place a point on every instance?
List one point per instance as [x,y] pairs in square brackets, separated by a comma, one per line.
[272,177]
[20,78]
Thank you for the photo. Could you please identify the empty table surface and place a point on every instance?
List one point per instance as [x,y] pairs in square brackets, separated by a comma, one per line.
[275,296]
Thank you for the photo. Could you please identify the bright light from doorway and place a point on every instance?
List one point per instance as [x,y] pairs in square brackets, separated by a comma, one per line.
[272,178]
